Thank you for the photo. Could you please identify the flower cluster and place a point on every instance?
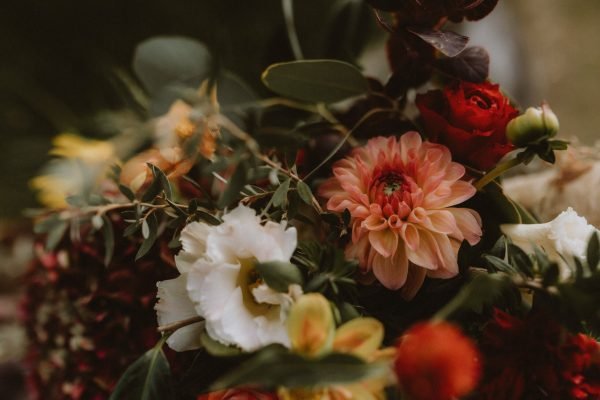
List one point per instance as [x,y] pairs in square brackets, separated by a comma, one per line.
[232,248]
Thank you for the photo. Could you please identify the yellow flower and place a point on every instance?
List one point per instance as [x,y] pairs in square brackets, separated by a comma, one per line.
[80,164]
[312,333]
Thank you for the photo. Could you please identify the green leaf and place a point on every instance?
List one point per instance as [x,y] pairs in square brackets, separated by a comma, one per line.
[152,223]
[218,349]
[275,366]
[162,179]
[109,240]
[127,192]
[278,275]
[316,81]
[280,195]
[305,192]
[483,289]
[55,234]
[500,265]
[148,378]
[520,259]
[234,185]
[165,60]
[593,252]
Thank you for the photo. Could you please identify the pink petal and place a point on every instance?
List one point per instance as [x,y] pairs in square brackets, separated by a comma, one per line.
[384,242]
[469,224]
[391,271]
[414,281]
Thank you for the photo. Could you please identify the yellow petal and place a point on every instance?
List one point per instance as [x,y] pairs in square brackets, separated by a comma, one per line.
[360,337]
[311,326]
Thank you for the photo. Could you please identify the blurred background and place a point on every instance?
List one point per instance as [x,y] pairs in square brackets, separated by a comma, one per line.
[66,63]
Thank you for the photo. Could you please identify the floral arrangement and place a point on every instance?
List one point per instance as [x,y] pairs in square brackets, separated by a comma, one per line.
[339,238]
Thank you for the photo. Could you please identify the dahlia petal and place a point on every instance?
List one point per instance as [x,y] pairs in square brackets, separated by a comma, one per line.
[447,253]
[427,254]
[410,234]
[391,271]
[409,143]
[459,192]
[384,242]
[375,223]
[468,224]
[414,281]
[442,221]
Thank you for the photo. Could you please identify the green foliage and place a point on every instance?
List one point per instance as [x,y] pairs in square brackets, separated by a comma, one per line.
[278,275]
[166,60]
[274,366]
[148,378]
[316,81]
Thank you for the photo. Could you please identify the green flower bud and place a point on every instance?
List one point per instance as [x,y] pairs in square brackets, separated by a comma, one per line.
[534,125]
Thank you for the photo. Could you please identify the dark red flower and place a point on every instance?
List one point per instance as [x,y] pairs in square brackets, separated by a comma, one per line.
[536,358]
[436,362]
[470,119]
[238,394]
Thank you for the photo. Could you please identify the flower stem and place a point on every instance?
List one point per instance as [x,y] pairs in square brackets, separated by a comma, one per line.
[179,324]
[496,172]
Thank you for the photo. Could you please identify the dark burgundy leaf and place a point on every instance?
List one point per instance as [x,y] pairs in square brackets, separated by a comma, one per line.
[447,42]
[478,9]
[472,65]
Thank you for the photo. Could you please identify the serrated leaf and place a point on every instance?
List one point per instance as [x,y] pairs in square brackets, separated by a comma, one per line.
[316,81]
[276,367]
[278,275]
[280,195]
[305,192]
[165,60]
[148,378]
[109,239]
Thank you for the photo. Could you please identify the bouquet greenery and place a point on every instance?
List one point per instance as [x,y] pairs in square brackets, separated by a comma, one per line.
[330,236]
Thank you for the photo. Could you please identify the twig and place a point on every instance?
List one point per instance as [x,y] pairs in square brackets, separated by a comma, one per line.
[179,324]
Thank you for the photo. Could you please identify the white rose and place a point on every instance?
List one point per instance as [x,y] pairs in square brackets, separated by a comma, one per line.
[219,283]
[565,236]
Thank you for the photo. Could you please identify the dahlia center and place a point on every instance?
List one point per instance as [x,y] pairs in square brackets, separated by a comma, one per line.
[390,190]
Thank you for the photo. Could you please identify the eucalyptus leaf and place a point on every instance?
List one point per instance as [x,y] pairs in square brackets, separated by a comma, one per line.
[148,378]
[109,239]
[56,233]
[164,60]
[152,223]
[316,81]
[235,183]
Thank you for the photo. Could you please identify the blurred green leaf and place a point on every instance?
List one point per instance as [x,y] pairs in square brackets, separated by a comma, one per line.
[278,275]
[316,81]
[164,60]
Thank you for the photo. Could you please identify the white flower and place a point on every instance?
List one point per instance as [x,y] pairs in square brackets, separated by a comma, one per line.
[219,283]
[565,236]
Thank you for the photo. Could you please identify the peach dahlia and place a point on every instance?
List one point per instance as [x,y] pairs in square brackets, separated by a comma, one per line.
[400,194]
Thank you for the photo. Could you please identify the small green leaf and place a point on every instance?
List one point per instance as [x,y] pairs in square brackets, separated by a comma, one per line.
[145,229]
[127,192]
[152,223]
[316,81]
[500,265]
[55,234]
[305,192]
[278,275]
[280,195]
[162,179]
[148,378]
[520,259]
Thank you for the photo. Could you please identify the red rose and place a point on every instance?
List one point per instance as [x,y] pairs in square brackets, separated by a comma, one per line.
[436,362]
[470,119]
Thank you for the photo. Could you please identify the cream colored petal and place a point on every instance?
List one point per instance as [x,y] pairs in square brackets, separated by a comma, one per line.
[310,325]
[360,337]
[414,281]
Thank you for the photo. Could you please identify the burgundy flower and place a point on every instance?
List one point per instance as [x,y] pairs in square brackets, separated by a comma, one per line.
[470,119]
[536,358]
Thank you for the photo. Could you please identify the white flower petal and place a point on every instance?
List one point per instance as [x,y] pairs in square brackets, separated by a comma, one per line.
[174,305]
[238,323]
